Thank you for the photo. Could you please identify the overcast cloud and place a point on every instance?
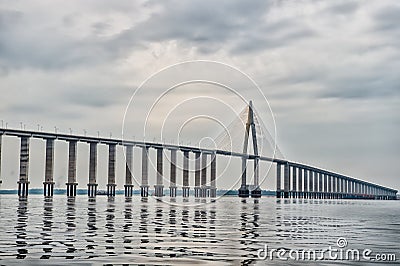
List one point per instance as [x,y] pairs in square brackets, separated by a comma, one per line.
[330,70]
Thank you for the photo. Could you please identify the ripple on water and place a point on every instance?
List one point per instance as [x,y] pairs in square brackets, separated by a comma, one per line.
[227,231]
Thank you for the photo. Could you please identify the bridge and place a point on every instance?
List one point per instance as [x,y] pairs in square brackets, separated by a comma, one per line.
[293,180]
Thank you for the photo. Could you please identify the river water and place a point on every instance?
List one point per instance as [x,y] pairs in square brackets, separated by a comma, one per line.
[227,231]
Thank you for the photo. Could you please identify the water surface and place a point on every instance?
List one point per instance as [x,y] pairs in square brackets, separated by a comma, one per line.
[228,231]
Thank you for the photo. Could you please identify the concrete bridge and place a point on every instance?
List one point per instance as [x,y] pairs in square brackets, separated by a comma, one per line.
[293,180]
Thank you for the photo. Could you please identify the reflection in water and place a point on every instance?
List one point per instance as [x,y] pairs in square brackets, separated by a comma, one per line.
[144,220]
[249,218]
[71,225]
[91,233]
[47,225]
[145,231]
[22,218]
[127,226]
[110,216]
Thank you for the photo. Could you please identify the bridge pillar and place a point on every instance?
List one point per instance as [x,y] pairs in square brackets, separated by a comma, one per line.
[311,184]
[329,187]
[1,138]
[357,189]
[294,183]
[316,185]
[172,176]
[349,188]
[71,184]
[203,183]
[92,185]
[144,188]
[244,190]
[185,187]
[213,189]
[353,189]
[48,184]
[128,187]
[23,182]
[286,181]
[343,188]
[334,187]
[305,184]
[111,170]
[320,188]
[159,187]
[256,192]
[325,186]
[278,180]
[197,174]
[300,184]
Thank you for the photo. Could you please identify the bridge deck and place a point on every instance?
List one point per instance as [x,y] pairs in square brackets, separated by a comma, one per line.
[116,141]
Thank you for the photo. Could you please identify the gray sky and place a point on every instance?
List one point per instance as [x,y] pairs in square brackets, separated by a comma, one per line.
[329,69]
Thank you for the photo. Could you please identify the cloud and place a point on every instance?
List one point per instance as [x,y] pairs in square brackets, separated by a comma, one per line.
[322,65]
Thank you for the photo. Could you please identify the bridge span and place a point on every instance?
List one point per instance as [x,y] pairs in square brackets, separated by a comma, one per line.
[293,180]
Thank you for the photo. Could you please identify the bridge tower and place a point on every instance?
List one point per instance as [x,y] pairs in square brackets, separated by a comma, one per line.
[244,188]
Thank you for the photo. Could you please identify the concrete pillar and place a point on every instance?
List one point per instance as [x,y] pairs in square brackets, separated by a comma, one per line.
[278,180]
[159,187]
[300,184]
[256,192]
[358,189]
[111,170]
[320,189]
[128,187]
[144,188]
[330,194]
[311,184]
[325,186]
[48,184]
[197,174]
[23,168]
[1,138]
[334,187]
[213,189]
[244,190]
[92,185]
[342,187]
[203,183]
[305,184]
[350,188]
[294,182]
[71,183]
[172,176]
[185,187]
[286,181]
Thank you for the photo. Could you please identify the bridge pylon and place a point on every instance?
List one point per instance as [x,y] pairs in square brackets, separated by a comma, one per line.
[244,188]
